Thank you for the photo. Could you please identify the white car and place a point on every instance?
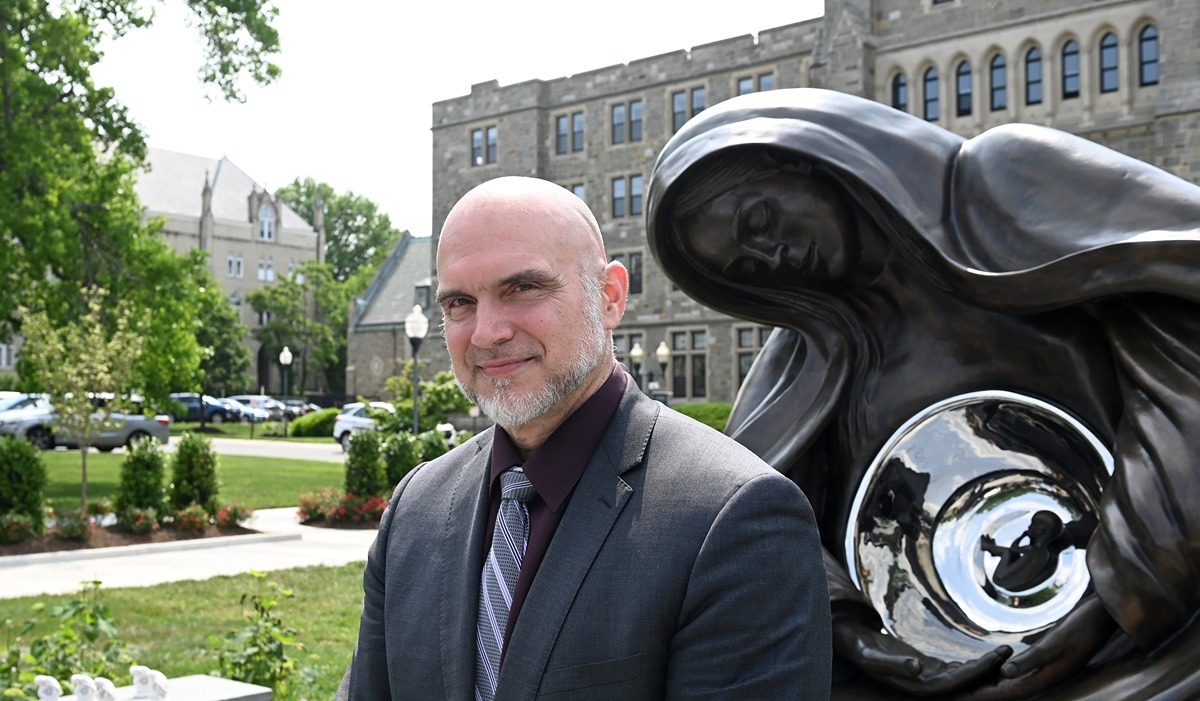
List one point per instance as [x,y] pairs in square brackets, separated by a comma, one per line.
[354,418]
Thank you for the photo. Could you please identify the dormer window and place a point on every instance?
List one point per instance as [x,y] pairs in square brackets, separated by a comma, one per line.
[266,222]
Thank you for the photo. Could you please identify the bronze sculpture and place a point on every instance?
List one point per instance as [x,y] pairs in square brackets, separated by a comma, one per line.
[969,332]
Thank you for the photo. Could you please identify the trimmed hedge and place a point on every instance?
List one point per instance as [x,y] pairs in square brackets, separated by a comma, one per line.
[141,482]
[318,424]
[194,474]
[22,481]
[366,475]
[715,414]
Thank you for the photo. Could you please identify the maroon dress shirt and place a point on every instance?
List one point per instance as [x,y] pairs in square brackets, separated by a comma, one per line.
[554,469]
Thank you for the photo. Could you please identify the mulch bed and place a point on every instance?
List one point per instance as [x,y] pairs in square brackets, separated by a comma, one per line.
[110,536]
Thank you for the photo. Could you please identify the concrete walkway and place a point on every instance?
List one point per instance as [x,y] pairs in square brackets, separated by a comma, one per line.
[280,544]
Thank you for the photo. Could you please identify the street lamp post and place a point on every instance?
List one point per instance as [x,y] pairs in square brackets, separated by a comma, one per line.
[285,361]
[663,354]
[636,355]
[416,325]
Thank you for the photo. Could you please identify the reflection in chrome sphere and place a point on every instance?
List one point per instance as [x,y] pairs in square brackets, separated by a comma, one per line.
[968,530]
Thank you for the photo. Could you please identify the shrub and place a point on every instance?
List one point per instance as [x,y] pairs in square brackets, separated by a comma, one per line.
[317,506]
[401,453]
[138,520]
[74,525]
[194,474]
[715,414]
[140,485]
[84,642]
[365,472]
[356,509]
[433,444]
[231,515]
[16,527]
[260,653]
[192,519]
[316,424]
[99,507]
[22,481]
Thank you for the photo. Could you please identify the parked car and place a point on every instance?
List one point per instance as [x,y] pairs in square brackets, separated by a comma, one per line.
[17,400]
[272,406]
[38,425]
[214,410]
[249,414]
[356,417]
[299,407]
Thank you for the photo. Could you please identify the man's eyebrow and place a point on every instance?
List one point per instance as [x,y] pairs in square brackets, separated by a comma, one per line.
[535,275]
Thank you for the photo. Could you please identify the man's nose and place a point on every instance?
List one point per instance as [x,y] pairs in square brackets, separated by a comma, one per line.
[492,325]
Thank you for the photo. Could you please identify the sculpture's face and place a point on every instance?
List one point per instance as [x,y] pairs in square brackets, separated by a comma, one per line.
[786,229]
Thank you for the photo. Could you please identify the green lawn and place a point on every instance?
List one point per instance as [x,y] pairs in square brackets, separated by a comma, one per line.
[259,483]
[169,627]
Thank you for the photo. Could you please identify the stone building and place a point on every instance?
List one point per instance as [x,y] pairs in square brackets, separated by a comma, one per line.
[377,347]
[1121,72]
[251,236]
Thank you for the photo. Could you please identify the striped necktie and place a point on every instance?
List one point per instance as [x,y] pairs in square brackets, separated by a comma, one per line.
[499,579]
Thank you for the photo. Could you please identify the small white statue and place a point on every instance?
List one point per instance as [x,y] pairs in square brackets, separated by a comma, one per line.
[158,685]
[141,681]
[48,688]
[84,687]
[105,690]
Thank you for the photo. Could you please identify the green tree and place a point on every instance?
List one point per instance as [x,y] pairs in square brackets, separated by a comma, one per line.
[94,354]
[225,360]
[440,397]
[357,235]
[69,154]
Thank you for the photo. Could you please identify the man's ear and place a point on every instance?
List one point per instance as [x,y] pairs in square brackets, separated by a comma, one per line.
[614,293]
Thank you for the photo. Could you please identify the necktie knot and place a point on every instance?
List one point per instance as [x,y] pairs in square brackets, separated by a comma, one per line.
[516,486]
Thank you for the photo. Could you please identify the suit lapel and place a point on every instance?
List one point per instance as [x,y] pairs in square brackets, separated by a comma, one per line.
[461,562]
[595,505]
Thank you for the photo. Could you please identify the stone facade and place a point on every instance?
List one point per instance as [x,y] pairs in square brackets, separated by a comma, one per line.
[859,47]
[377,347]
[252,237]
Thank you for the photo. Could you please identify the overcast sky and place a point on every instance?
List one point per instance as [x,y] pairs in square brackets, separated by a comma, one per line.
[353,107]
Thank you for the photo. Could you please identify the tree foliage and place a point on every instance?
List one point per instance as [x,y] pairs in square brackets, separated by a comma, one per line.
[95,354]
[69,155]
[357,235]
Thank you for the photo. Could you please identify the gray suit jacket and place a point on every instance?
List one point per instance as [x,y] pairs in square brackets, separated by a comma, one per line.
[684,567]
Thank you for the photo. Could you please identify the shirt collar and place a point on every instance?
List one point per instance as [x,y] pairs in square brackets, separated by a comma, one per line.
[556,466]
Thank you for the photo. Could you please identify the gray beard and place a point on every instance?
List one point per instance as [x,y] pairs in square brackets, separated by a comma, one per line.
[510,410]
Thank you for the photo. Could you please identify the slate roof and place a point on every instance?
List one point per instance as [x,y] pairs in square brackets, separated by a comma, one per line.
[391,295]
[175,181]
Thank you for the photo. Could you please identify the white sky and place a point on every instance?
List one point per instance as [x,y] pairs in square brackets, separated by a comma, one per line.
[353,107]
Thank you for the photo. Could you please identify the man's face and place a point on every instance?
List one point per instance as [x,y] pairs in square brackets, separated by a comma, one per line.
[527,335]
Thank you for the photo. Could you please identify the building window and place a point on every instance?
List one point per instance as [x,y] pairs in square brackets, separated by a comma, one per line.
[635,120]
[682,109]
[264,317]
[7,356]
[578,190]
[266,222]
[627,191]
[239,266]
[270,269]
[689,371]
[1070,70]
[1148,56]
[999,87]
[627,129]
[633,263]
[963,89]
[577,131]
[931,95]
[1033,77]
[750,340]
[262,268]
[483,146]
[1109,74]
[900,92]
[560,134]
[747,84]
[231,266]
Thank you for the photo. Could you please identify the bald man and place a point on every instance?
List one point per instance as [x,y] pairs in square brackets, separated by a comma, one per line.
[594,544]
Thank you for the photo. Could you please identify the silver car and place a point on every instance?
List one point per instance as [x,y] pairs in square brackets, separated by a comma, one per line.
[38,425]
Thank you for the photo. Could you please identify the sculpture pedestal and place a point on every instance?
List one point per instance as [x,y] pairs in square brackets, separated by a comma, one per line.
[201,687]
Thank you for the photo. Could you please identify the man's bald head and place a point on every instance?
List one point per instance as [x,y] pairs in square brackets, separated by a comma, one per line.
[513,201]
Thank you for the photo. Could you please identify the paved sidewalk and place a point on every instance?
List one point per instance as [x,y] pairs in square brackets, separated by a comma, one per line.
[280,544]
